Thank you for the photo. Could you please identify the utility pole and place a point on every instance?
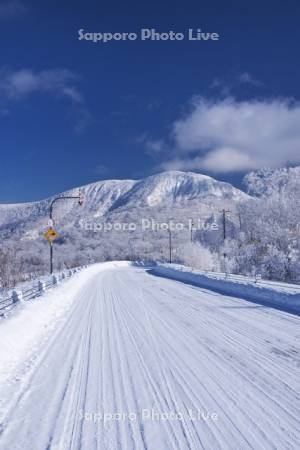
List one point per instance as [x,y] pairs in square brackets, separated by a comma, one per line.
[192,225]
[170,246]
[170,242]
[51,223]
[51,258]
[224,212]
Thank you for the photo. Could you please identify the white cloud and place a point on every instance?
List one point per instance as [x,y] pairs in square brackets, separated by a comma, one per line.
[221,160]
[231,135]
[20,83]
[226,87]
[73,94]
[247,78]
[11,9]
[153,146]
[17,85]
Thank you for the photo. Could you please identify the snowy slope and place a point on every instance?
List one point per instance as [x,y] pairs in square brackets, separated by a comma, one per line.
[176,187]
[99,197]
[142,362]
[168,188]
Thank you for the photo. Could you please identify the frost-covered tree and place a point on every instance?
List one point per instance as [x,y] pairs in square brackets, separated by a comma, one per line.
[269,239]
[196,255]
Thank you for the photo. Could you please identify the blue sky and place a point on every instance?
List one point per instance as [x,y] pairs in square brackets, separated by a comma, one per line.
[73,112]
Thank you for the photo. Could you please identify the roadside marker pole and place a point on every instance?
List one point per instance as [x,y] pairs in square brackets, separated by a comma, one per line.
[50,235]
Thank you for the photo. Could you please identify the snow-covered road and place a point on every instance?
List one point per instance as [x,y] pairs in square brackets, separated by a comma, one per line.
[142,362]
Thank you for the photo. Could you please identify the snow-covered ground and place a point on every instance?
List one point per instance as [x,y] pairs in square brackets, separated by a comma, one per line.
[120,358]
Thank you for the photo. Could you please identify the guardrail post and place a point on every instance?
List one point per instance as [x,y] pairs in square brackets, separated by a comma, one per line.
[54,279]
[41,286]
[17,296]
[257,277]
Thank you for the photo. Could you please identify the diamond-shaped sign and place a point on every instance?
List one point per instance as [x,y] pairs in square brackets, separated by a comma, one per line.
[50,235]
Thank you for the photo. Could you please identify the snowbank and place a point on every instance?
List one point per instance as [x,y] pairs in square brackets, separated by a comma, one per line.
[279,296]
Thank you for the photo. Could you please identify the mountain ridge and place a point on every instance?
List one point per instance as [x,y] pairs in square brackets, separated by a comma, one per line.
[121,181]
[172,189]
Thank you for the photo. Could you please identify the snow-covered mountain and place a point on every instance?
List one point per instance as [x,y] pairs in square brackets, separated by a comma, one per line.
[168,190]
[177,188]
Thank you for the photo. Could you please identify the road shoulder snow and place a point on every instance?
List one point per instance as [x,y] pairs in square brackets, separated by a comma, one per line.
[283,298]
[27,329]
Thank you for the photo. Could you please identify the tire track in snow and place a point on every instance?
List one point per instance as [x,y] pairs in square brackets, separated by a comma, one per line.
[196,402]
[218,357]
[133,341]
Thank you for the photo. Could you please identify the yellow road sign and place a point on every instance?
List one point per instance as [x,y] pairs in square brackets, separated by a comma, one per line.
[50,235]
